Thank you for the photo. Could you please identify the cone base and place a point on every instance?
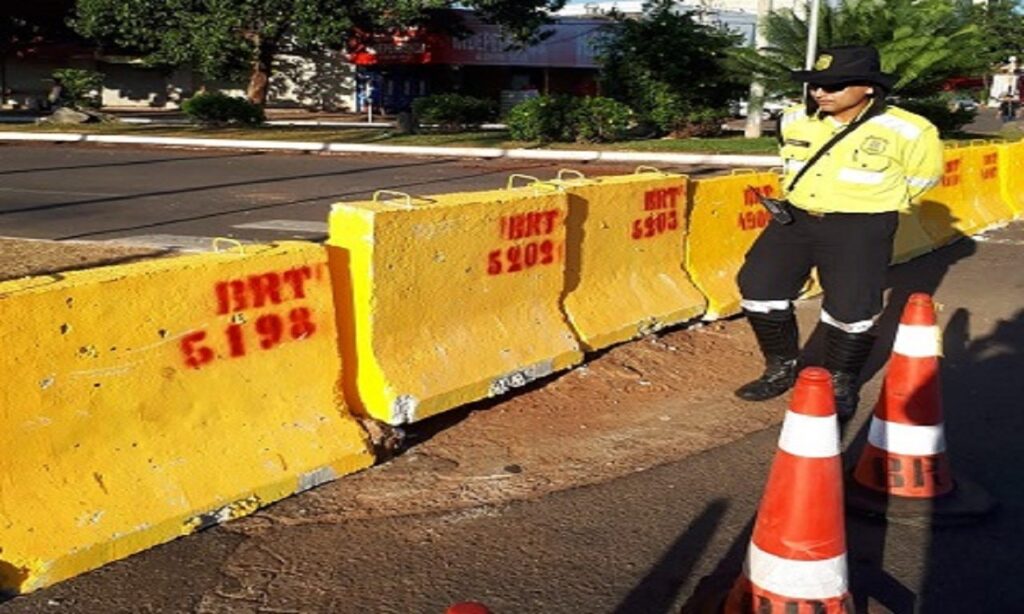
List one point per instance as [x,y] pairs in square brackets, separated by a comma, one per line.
[748,598]
[967,503]
[710,595]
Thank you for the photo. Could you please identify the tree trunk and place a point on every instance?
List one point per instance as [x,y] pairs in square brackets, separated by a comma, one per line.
[259,81]
[3,77]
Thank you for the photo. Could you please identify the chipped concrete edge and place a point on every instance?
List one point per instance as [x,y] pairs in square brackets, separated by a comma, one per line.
[519,378]
[559,155]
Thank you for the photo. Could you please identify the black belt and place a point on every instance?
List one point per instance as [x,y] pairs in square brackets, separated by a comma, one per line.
[823,214]
[817,214]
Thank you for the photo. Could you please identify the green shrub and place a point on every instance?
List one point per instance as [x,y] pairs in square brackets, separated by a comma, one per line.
[597,120]
[677,118]
[453,112]
[217,108]
[940,110]
[669,67]
[79,88]
[566,119]
[543,118]
[700,123]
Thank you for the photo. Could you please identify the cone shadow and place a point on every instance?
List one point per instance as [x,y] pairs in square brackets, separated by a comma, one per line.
[709,595]
[658,590]
[968,568]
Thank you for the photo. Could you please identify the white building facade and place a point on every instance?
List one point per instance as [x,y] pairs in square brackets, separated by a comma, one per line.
[738,16]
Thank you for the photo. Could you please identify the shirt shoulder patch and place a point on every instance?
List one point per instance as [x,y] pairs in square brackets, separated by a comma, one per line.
[874,145]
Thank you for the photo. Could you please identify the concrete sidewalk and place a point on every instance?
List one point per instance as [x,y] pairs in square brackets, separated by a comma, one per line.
[567,155]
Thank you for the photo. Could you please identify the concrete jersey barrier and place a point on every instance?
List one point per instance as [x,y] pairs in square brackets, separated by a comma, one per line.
[969,197]
[985,184]
[1011,175]
[146,401]
[624,258]
[449,299]
[725,218]
[911,240]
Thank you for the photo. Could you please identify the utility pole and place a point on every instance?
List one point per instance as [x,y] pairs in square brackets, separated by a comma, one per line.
[755,102]
[812,38]
[369,99]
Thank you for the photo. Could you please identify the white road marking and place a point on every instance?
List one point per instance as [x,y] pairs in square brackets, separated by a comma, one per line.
[180,242]
[985,239]
[286,226]
[59,192]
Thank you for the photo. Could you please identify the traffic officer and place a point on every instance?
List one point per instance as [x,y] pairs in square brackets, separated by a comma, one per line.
[844,206]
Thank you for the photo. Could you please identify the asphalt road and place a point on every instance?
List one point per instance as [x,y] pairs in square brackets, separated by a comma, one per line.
[640,543]
[172,197]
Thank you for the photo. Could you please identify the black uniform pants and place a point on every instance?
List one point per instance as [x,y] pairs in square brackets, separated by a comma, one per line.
[850,250]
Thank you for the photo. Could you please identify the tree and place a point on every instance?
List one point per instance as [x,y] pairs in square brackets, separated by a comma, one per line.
[13,30]
[1003,24]
[668,67]
[922,41]
[28,24]
[232,39]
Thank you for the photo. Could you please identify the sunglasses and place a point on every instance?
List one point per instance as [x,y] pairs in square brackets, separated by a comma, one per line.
[832,88]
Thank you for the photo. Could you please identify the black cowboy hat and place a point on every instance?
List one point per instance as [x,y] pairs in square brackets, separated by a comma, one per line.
[850,64]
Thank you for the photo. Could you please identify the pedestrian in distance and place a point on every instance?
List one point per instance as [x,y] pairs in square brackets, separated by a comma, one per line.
[852,164]
[1007,107]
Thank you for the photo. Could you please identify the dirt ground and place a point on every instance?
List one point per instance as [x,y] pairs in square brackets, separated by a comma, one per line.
[24,257]
[636,406]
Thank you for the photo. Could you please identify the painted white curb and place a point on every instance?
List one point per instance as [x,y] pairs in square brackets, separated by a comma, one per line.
[415,150]
[565,155]
[53,137]
[306,123]
[189,142]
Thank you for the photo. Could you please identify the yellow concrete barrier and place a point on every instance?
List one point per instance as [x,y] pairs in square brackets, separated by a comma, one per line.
[447,299]
[145,401]
[725,219]
[946,212]
[624,258]
[1011,175]
[968,198]
[984,171]
[912,240]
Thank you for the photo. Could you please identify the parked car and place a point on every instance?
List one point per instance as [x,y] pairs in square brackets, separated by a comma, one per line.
[773,108]
[963,102]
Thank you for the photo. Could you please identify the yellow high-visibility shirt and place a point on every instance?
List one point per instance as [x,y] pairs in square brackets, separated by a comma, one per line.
[882,165]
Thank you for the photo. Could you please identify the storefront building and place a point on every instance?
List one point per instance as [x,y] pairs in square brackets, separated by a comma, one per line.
[392,71]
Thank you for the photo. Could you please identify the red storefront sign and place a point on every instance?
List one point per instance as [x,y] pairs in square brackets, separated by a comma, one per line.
[569,45]
[406,47]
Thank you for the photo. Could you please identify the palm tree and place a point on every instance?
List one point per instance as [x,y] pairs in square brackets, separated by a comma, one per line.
[922,41]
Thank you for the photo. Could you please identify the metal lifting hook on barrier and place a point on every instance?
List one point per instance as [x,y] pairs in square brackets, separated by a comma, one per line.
[408,198]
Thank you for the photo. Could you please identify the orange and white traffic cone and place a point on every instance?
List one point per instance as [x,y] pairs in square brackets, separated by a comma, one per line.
[796,561]
[904,471]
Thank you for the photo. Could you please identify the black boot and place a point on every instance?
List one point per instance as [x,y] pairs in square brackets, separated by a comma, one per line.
[777,337]
[845,355]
